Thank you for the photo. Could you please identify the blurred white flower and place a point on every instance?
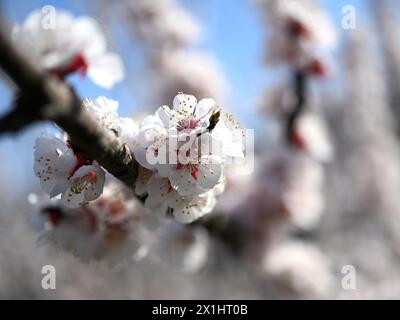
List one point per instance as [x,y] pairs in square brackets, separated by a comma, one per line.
[302,193]
[190,71]
[73,45]
[163,23]
[311,134]
[109,228]
[292,183]
[301,34]
[186,249]
[298,269]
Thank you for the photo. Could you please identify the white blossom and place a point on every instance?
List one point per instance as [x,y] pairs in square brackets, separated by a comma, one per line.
[71,45]
[54,162]
[85,185]
[185,249]
[188,144]
[299,269]
[311,134]
[105,112]
[61,170]
[109,228]
[301,34]
[185,209]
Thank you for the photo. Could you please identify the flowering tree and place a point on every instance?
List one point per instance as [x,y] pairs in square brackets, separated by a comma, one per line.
[172,186]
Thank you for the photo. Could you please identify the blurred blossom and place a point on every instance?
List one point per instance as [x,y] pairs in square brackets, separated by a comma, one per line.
[169,32]
[298,270]
[163,24]
[293,181]
[106,229]
[75,45]
[192,71]
[185,249]
[300,33]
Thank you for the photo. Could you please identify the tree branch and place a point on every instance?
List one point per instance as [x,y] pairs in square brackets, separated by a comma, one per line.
[42,96]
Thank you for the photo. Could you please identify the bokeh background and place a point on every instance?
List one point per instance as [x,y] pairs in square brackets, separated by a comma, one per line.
[360,225]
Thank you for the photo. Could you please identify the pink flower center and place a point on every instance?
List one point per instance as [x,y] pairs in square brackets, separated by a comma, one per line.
[192,168]
[187,123]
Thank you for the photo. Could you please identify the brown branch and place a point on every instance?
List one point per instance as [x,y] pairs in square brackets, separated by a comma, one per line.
[44,97]
[300,88]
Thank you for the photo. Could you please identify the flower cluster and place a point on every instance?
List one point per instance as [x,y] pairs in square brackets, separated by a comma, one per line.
[66,171]
[182,152]
[300,34]
[67,45]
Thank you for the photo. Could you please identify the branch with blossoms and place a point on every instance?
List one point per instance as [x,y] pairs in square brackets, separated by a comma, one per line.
[42,96]
[95,139]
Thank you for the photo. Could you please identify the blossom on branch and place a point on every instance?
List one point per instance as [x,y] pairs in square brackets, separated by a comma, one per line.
[183,151]
[61,170]
[71,45]
[300,34]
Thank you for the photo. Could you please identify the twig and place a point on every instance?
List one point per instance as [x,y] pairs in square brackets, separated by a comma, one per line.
[300,88]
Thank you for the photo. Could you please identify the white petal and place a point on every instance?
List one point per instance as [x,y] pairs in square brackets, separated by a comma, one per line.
[106,70]
[183,182]
[210,173]
[204,108]
[128,132]
[168,117]
[195,209]
[185,103]
[142,180]
[85,185]
[88,34]
[54,162]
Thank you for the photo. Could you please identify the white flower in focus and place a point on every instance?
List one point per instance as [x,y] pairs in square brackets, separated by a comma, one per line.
[54,163]
[189,143]
[72,45]
[85,185]
[185,209]
[61,170]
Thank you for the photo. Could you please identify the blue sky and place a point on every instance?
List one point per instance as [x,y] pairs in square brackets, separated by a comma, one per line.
[234,35]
